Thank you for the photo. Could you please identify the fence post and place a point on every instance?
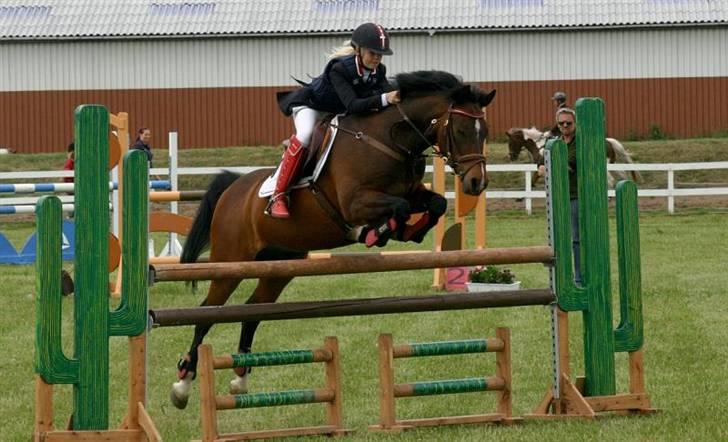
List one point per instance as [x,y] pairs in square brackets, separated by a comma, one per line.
[528,193]
[670,190]
[173,247]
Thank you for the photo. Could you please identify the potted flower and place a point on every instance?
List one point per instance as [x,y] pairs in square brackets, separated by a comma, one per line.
[491,278]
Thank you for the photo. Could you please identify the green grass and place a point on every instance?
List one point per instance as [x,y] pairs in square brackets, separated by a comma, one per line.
[686,360]
[684,282]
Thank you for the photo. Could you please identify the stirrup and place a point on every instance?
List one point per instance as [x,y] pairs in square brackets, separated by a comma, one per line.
[276,199]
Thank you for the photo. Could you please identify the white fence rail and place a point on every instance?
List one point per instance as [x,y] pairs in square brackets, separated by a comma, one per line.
[527,194]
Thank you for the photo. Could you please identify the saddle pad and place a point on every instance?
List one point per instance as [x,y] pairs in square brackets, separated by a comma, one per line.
[269,185]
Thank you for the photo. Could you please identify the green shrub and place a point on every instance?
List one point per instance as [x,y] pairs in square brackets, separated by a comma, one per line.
[492,275]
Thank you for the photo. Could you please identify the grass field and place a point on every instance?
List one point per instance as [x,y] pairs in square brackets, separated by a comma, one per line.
[684,291]
[684,283]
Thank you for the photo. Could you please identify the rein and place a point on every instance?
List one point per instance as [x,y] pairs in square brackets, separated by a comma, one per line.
[405,154]
[372,142]
[476,158]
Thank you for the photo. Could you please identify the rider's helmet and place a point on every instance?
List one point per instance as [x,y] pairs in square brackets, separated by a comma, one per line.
[373,37]
[559,97]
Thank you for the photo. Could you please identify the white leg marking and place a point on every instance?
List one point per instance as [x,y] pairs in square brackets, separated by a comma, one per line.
[239,385]
[181,388]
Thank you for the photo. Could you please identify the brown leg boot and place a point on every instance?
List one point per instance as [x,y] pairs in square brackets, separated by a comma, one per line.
[291,164]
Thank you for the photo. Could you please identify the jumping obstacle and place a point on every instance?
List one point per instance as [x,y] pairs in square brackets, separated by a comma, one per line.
[166,222]
[596,391]
[330,394]
[94,323]
[27,253]
[564,399]
[464,205]
[500,383]
[593,296]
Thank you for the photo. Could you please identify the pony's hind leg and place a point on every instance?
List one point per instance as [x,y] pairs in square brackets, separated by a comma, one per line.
[220,291]
[267,291]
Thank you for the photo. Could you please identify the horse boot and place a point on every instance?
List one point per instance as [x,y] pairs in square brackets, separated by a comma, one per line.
[293,159]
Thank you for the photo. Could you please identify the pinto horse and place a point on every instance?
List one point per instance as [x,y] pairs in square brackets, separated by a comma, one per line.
[533,141]
[370,185]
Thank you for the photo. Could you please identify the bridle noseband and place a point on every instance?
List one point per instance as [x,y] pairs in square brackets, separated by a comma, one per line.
[444,122]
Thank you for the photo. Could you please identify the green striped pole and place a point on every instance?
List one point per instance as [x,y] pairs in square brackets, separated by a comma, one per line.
[444,348]
[265,359]
[274,399]
[453,386]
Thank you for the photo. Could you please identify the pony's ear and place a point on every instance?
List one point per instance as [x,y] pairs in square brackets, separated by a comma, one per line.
[485,99]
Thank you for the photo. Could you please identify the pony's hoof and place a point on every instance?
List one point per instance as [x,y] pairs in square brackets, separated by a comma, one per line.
[180,393]
[239,385]
[178,402]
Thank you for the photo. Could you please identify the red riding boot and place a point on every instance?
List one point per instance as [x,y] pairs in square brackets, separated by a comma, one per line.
[293,159]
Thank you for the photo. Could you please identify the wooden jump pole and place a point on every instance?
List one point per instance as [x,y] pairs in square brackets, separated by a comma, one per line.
[351,264]
[330,394]
[178,195]
[350,307]
[500,383]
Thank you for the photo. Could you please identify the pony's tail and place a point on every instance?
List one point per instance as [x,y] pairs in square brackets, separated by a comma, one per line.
[622,156]
[199,237]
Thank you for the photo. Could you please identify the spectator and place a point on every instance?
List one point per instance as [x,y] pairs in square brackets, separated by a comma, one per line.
[70,161]
[559,100]
[566,122]
[144,136]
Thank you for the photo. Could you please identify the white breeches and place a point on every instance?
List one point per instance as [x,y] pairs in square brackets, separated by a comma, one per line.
[305,120]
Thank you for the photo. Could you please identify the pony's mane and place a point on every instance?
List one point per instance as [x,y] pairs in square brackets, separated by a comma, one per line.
[426,83]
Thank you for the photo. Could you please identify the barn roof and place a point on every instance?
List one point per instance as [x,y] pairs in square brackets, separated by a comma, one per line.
[100,19]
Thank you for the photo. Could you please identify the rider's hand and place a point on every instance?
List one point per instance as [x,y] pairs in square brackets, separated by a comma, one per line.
[393,97]
[541,170]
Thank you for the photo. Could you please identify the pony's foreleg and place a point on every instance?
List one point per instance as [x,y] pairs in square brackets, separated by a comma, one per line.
[383,215]
[220,291]
[433,205]
[267,291]
[187,370]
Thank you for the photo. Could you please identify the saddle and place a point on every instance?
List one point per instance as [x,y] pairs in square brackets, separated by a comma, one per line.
[318,153]
[320,133]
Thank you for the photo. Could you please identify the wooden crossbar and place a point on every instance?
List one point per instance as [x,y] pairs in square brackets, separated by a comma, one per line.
[389,391]
[350,264]
[348,307]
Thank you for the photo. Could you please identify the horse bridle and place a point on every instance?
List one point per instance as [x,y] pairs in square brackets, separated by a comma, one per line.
[402,153]
[446,154]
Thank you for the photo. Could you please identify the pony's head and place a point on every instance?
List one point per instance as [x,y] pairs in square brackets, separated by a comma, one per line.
[516,143]
[530,139]
[453,114]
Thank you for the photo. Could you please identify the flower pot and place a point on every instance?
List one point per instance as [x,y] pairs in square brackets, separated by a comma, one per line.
[488,287]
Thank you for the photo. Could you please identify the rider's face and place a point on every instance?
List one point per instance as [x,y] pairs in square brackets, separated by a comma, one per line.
[370,59]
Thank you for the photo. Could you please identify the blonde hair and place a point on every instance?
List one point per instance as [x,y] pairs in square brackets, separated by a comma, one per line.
[341,51]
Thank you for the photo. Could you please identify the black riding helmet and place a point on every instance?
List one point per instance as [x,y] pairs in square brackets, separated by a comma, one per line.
[559,96]
[373,37]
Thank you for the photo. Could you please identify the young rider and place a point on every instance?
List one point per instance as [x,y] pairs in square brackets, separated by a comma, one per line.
[353,81]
